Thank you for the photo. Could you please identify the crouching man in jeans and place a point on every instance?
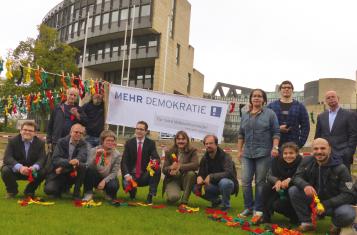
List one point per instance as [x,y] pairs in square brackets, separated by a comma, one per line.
[217,174]
[324,175]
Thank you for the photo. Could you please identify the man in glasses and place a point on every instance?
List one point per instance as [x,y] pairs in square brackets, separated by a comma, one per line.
[69,163]
[138,152]
[24,156]
[292,115]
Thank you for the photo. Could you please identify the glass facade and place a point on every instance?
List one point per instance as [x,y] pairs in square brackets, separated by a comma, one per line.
[139,77]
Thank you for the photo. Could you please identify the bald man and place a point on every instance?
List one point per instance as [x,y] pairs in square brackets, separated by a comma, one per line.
[324,175]
[63,117]
[69,163]
[339,127]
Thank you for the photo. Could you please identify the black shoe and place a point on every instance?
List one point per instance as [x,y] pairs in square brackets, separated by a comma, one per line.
[132,194]
[224,208]
[149,199]
[27,194]
[215,203]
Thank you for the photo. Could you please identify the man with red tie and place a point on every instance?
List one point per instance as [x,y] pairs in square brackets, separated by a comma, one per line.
[138,152]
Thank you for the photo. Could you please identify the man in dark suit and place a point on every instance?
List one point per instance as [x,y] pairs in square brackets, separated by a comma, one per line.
[339,127]
[69,164]
[24,155]
[138,152]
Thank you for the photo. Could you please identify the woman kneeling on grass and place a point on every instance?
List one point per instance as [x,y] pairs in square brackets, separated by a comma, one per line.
[103,167]
[275,191]
[180,164]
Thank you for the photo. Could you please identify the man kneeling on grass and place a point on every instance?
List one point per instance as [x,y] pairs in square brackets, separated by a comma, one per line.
[24,156]
[323,175]
[103,168]
[69,164]
[217,174]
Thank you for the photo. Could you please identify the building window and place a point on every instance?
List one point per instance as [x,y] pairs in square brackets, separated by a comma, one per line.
[172,18]
[99,2]
[75,27]
[132,12]
[97,21]
[106,18]
[178,47]
[90,22]
[124,14]
[114,16]
[145,10]
[189,83]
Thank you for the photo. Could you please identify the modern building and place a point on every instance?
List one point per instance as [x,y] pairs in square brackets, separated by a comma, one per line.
[161,57]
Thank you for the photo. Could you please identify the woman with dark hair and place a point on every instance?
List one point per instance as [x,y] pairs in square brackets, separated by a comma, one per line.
[275,192]
[181,162]
[258,140]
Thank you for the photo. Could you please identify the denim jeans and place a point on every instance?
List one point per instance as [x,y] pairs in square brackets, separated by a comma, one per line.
[342,216]
[225,187]
[257,167]
[92,140]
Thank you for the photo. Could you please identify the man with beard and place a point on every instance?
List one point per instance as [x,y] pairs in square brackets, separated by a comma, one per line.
[217,174]
[94,120]
[323,175]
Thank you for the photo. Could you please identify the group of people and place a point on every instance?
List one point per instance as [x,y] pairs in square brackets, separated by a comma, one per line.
[269,141]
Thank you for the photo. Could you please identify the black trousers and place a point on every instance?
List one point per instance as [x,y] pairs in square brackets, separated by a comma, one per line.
[9,177]
[57,184]
[144,180]
[93,178]
[273,202]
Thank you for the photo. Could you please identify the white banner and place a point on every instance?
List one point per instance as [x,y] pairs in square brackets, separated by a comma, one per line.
[166,112]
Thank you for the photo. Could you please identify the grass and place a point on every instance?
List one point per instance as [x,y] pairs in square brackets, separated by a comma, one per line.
[65,218]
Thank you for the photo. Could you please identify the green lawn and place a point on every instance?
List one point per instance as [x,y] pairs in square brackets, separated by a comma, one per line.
[65,218]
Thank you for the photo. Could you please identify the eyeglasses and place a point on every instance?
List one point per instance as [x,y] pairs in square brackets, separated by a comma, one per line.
[78,132]
[140,129]
[286,87]
[27,130]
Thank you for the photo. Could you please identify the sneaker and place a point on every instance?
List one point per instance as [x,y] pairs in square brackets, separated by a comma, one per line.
[305,227]
[10,195]
[149,199]
[334,230]
[88,197]
[245,213]
[257,218]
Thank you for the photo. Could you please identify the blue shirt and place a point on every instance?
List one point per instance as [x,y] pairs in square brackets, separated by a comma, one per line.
[258,132]
[17,166]
[332,116]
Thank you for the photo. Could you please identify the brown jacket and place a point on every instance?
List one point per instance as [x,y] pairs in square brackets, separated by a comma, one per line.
[189,163]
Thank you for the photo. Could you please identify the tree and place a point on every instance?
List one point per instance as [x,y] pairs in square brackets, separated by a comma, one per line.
[47,52]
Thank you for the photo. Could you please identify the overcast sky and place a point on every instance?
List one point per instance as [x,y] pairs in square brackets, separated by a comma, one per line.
[253,43]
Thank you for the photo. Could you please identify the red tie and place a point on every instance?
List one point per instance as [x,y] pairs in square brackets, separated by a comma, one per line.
[138,162]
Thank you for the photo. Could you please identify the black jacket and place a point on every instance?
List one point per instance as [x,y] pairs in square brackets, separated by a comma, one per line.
[218,168]
[128,161]
[94,118]
[56,123]
[61,153]
[281,170]
[15,152]
[332,181]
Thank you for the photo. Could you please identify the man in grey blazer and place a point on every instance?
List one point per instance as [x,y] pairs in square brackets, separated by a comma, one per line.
[339,127]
